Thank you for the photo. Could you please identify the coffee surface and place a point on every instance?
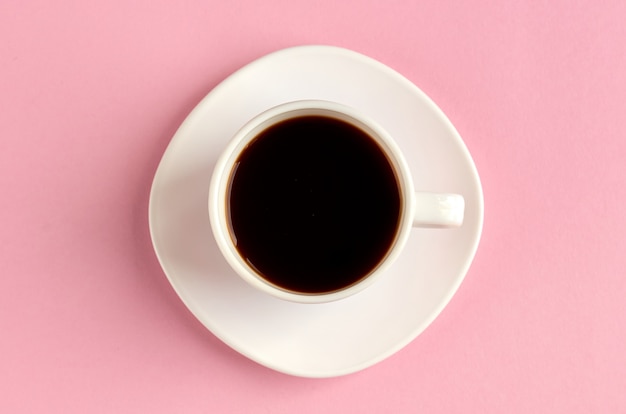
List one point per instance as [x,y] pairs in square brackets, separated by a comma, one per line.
[314,204]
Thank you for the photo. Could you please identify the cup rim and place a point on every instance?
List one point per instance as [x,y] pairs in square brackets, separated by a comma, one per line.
[217,200]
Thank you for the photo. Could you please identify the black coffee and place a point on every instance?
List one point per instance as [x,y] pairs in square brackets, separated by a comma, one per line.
[314,204]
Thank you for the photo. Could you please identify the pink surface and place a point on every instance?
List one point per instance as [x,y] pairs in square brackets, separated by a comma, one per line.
[91,93]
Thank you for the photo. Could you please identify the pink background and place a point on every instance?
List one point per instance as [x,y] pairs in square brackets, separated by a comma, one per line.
[91,93]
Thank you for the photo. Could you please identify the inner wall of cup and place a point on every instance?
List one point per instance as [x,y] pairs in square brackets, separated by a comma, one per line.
[391,153]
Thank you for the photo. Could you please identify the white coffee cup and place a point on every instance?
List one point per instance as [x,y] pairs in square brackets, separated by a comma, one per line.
[417,209]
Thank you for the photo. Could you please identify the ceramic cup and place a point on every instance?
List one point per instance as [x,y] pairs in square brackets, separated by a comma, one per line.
[416,209]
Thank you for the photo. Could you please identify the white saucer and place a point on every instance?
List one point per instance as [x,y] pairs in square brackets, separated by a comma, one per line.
[335,338]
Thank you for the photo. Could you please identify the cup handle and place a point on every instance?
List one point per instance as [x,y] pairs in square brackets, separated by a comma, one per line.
[438,210]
